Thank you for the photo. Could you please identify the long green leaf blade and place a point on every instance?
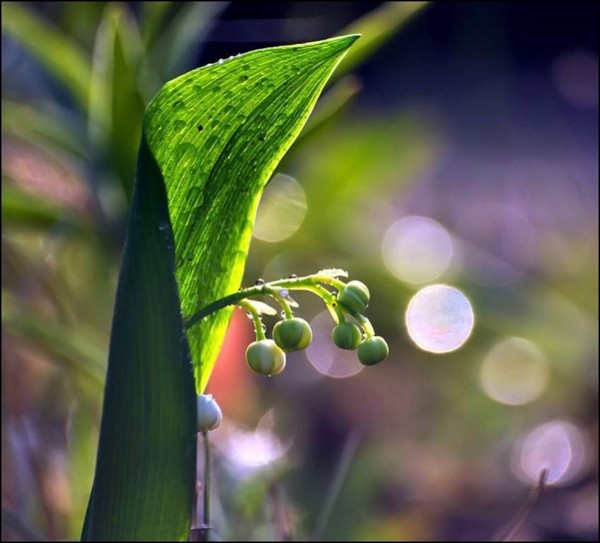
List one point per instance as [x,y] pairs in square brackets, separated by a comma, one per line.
[144,484]
[210,142]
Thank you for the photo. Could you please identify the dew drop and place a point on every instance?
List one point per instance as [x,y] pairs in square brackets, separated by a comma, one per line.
[200,128]
[260,281]
[293,276]
[284,292]
[184,154]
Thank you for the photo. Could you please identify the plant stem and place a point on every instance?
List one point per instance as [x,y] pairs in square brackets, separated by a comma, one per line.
[364,323]
[281,518]
[283,303]
[206,489]
[347,457]
[509,533]
[17,524]
[258,324]
[311,283]
[331,302]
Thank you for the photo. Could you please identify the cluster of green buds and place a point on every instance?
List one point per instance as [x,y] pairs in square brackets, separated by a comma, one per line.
[267,356]
[343,300]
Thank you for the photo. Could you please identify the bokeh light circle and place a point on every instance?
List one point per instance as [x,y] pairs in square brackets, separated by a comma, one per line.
[439,318]
[281,210]
[557,446]
[515,372]
[324,356]
[416,249]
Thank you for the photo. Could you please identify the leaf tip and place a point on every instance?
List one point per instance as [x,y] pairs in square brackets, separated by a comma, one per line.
[347,40]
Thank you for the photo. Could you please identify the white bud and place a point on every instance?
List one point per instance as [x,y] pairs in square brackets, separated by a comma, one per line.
[208,413]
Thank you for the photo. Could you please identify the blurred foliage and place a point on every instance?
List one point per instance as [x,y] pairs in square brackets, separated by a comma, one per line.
[434,459]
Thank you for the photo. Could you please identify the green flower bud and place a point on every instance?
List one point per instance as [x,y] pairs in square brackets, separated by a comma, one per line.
[265,357]
[292,334]
[347,336]
[354,296]
[209,414]
[373,350]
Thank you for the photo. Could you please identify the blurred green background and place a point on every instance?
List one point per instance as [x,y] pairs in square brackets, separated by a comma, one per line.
[457,145]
